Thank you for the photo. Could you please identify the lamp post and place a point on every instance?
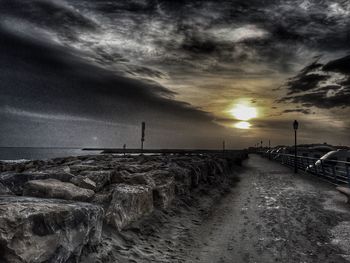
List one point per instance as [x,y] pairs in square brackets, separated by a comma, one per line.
[295,126]
[143,127]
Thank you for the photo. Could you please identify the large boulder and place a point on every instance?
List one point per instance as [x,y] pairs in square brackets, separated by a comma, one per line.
[4,190]
[15,181]
[182,178]
[136,167]
[83,182]
[100,178]
[161,182]
[64,169]
[46,230]
[163,188]
[128,204]
[124,177]
[118,177]
[51,188]
[78,168]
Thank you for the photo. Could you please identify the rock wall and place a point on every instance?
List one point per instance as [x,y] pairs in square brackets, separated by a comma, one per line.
[50,210]
[46,230]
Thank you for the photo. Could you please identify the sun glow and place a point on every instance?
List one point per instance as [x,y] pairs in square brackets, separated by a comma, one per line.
[244,113]
[243,125]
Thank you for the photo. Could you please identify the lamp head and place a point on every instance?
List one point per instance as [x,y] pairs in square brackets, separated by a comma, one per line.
[295,125]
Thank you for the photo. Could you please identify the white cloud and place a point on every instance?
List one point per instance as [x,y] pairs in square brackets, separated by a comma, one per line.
[40,115]
[238,34]
[336,9]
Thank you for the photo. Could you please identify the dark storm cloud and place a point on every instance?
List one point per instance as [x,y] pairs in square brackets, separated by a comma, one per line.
[320,87]
[82,59]
[40,78]
[55,11]
[146,72]
[304,111]
[197,30]
[51,15]
[305,82]
[190,33]
[341,65]
[321,100]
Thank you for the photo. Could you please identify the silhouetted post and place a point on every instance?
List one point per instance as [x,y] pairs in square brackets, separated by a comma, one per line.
[124,148]
[295,126]
[261,145]
[143,135]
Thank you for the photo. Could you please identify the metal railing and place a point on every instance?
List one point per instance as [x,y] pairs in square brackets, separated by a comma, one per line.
[334,171]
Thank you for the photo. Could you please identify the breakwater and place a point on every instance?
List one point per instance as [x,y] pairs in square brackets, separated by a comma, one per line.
[59,210]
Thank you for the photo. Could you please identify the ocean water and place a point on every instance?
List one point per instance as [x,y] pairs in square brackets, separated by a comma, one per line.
[26,153]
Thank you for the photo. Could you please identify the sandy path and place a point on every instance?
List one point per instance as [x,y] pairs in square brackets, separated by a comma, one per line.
[273,216]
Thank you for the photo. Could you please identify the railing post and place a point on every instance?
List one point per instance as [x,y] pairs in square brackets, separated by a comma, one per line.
[302,163]
[334,174]
[315,168]
[323,171]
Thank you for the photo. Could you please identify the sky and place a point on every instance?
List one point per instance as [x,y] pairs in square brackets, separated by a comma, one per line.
[86,73]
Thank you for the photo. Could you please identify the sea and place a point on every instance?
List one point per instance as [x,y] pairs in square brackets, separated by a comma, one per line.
[37,153]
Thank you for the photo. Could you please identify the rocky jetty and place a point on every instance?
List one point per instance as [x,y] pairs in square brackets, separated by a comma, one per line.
[58,210]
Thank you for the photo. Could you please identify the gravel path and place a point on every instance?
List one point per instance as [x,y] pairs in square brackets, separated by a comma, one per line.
[273,215]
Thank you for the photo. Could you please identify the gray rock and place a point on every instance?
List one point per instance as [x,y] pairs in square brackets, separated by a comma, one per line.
[15,181]
[83,182]
[100,178]
[135,167]
[46,230]
[103,198]
[4,190]
[118,177]
[163,188]
[182,177]
[56,170]
[78,168]
[129,203]
[164,194]
[124,177]
[51,188]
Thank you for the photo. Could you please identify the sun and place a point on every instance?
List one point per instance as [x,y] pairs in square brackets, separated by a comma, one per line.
[243,112]
[243,125]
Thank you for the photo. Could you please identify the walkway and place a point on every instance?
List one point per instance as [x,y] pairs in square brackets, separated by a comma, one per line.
[273,215]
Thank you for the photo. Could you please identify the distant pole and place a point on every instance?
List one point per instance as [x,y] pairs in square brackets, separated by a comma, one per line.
[124,148]
[143,135]
[295,126]
[261,145]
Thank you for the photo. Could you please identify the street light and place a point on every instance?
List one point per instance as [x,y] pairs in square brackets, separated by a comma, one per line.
[295,126]
[143,127]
